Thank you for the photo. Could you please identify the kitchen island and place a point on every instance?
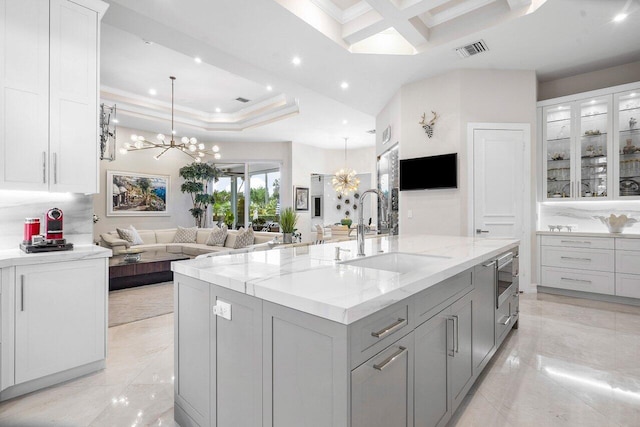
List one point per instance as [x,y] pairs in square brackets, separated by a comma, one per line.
[293,337]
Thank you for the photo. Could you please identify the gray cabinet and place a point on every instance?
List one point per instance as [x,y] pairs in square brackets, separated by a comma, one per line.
[483,314]
[218,360]
[443,363]
[382,388]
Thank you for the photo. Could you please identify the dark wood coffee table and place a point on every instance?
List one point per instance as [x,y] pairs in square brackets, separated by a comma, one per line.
[153,267]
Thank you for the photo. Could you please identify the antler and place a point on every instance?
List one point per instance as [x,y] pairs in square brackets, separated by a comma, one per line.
[423,119]
[433,120]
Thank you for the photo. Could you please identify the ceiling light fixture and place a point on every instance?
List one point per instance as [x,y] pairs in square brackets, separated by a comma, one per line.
[620,17]
[153,92]
[345,180]
[269,88]
[218,110]
[344,85]
[198,60]
[188,146]
[296,60]
[344,122]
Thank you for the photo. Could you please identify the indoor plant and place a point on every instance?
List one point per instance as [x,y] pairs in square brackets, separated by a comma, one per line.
[288,219]
[197,177]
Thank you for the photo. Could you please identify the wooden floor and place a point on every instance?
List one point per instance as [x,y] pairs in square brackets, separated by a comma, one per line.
[142,302]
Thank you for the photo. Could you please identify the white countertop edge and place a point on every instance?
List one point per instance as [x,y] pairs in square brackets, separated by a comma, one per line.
[415,282]
[15,257]
[588,234]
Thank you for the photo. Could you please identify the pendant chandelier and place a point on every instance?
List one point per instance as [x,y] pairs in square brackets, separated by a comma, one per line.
[345,180]
[188,146]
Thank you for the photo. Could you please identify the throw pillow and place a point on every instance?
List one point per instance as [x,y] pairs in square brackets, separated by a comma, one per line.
[185,235]
[244,238]
[218,236]
[130,235]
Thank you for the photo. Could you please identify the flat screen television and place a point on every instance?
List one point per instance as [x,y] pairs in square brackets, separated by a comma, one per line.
[431,172]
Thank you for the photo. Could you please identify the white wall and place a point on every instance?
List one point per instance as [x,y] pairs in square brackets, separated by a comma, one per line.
[307,159]
[169,164]
[391,115]
[613,76]
[459,97]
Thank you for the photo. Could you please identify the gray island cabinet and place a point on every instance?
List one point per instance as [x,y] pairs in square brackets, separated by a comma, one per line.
[242,359]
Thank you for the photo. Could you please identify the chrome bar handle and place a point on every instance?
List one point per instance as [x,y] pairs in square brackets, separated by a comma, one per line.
[451,352]
[44,167]
[480,231]
[456,323]
[22,292]
[506,322]
[582,242]
[574,258]
[388,329]
[489,264]
[569,279]
[55,168]
[388,360]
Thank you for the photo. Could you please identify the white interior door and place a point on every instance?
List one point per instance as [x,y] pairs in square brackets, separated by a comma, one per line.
[498,182]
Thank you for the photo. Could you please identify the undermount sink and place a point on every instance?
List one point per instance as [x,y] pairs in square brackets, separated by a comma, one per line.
[396,262]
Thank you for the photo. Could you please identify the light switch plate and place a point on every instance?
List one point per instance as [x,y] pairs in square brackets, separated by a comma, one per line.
[222,309]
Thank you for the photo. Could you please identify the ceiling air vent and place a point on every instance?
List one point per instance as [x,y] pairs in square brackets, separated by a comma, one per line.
[472,49]
[371,131]
[241,99]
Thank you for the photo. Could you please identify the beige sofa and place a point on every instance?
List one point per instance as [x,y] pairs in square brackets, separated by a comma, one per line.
[163,240]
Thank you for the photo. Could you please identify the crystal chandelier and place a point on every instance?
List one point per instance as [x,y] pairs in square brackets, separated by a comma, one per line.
[188,146]
[345,180]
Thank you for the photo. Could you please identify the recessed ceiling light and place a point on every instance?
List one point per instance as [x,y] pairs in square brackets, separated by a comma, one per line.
[198,60]
[116,121]
[269,88]
[633,94]
[344,85]
[593,101]
[344,122]
[153,92]
[296,60]
[218,110]
[620,17]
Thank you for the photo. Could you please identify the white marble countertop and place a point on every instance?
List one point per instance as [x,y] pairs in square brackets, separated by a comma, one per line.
[13,257]
[588,234]
[308,279]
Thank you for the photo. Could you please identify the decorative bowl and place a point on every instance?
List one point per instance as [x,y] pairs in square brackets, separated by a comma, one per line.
[616,224]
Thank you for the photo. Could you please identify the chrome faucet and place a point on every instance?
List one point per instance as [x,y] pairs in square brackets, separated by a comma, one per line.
[361,227]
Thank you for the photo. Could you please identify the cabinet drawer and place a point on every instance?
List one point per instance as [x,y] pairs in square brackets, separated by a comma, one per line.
[628,285]
[584,259]
[627,262]
[577,280]
[373,333]
[627,244]
[579,242]
[429,302]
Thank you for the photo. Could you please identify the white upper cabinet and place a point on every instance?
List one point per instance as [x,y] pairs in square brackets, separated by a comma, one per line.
[591,145]
[49,100]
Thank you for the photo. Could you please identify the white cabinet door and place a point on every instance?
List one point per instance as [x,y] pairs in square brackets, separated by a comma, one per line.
[24,94]
[74,98]
[60,317]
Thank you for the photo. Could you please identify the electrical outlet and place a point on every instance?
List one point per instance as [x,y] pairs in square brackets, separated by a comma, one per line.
[222,309]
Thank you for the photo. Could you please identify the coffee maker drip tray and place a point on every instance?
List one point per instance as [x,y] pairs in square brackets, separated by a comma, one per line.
[46,246]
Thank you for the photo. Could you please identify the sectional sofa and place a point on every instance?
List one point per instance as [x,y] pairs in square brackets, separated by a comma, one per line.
[163,240]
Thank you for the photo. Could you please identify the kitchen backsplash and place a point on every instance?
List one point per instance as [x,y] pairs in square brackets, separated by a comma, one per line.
[582,213]
[16,205]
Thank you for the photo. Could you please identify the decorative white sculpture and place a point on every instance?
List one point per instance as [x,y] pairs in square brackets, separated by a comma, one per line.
[616,223]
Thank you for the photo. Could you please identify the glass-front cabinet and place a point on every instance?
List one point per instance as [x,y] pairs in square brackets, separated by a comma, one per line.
[627,138]
[577,143]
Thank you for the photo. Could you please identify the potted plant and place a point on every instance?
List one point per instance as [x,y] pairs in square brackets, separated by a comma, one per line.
[288,220]
[228,219]
[196,180]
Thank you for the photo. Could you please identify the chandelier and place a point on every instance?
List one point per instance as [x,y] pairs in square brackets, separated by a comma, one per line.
[188,146]
[345,180]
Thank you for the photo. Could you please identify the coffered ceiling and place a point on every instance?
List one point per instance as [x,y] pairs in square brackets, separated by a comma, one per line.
[247,45]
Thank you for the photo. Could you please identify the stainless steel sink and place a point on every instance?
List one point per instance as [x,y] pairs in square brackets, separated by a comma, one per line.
[397,262]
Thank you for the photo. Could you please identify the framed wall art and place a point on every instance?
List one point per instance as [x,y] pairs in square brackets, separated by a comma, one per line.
[301,200]
[137,194]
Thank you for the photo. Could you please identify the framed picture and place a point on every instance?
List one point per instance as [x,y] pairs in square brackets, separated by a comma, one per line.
[301,195]
[137,194]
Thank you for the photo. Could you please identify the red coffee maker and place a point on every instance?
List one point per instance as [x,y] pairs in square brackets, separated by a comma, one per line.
[52,240]
[53,221]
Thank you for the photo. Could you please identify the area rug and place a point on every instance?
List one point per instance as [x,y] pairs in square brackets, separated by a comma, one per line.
[142,302]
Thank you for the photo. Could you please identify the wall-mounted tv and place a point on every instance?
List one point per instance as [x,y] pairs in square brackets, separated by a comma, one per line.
[431,172]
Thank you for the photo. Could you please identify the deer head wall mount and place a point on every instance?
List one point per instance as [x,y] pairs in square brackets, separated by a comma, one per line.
[428,126]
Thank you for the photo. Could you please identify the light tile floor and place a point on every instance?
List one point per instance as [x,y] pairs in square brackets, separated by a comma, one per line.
[572,363]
